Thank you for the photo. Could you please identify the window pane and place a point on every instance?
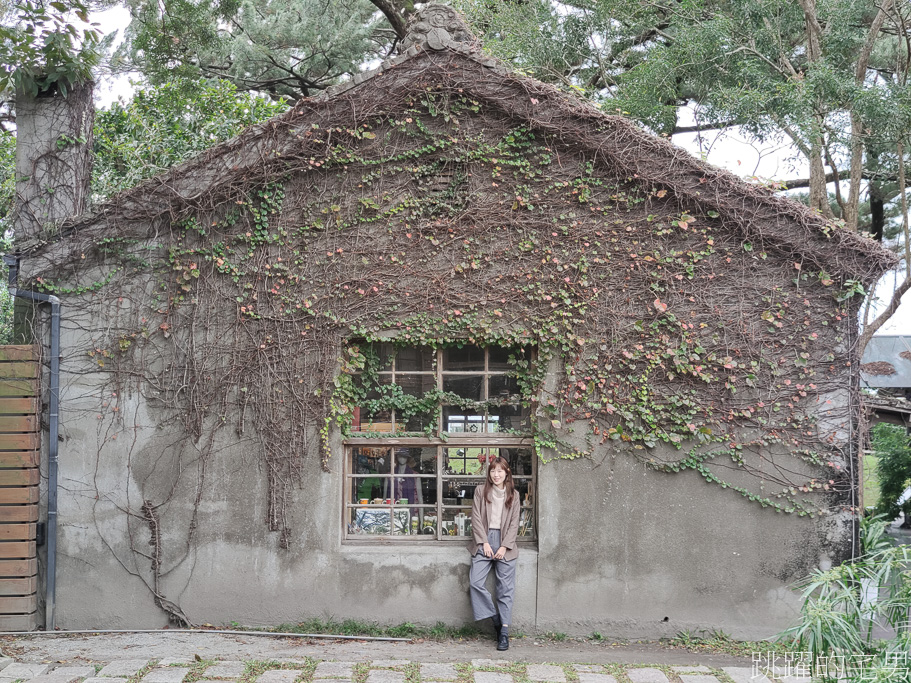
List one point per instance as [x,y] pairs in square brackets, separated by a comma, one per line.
[508,417]
[523,488]
[367,490]
[369,521]
[415,359]
[526,522]
[456,522]
[465,460]
[417,386]
[382,353]
[403,488]
[502,388]
[428,525]
[402,520]
[461,491]
[429,490]
[499,357]
[420,460]
[370,460]
[462,421]
[519,459]
[464,386]
[466,359]
[369,418]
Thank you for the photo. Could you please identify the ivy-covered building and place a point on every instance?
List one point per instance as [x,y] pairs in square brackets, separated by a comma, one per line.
[286,362]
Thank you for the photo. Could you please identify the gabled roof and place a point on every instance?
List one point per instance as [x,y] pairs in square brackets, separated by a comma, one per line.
[440,51]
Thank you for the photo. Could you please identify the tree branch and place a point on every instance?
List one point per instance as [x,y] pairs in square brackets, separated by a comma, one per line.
[391,12]
[704,126]
[883,317]
[835,176]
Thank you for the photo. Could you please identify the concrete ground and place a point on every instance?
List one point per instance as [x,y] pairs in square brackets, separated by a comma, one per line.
[163,657]
[167,645]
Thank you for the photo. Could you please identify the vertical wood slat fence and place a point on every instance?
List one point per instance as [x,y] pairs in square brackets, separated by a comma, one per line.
[19,479]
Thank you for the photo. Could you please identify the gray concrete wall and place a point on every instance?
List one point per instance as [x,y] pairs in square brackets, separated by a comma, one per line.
[627,550]
[623,549]
[53,158]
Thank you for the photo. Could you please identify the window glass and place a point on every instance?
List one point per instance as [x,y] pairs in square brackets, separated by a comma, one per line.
[416,386]
[503,388]
[465,359]
[465,386]
[498,360]
[459,420]
[404,482]
[368,417]
[416,359]
[456,521]
[488,400]
[465,460]
[384,353]
[425,492]
[508,417]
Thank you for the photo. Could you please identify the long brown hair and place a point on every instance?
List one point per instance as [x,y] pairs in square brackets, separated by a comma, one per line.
[510,486]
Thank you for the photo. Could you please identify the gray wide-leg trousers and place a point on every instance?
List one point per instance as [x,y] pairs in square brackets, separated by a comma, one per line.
[481,600]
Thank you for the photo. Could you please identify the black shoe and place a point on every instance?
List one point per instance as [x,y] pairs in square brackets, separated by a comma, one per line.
[497,624]
[503,641]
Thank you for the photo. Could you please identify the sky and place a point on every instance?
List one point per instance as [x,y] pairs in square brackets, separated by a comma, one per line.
[728,150]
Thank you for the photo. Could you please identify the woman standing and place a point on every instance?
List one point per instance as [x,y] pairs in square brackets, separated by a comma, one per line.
[494,524]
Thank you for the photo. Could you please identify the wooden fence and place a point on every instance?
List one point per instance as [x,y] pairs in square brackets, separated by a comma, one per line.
[19,478]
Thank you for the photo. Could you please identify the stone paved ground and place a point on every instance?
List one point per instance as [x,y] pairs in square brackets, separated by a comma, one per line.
[180,667]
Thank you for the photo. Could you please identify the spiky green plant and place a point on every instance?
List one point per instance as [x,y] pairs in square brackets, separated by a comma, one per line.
[843,607]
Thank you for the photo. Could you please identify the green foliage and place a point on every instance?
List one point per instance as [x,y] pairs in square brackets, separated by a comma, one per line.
[290,48]
[158,128]
[873,536]
[355,627]
[742,63]
[7,178]
[41,48]
[163,126]
[843,608]
[892,445]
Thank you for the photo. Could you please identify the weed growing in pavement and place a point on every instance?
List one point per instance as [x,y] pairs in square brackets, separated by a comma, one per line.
[412,672]
[720,642]
[197,669]
[406,630]
[257,668]
[360,672]
[136,677]
[466,673]
[354,627]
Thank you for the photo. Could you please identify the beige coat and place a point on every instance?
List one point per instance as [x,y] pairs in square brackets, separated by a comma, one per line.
[509,525]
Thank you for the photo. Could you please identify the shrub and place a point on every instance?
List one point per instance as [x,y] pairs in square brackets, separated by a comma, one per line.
[893,448]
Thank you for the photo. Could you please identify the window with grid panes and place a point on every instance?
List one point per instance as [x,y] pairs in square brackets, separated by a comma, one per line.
[404,483]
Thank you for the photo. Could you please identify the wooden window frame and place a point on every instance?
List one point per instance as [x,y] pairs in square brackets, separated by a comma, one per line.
[455,440]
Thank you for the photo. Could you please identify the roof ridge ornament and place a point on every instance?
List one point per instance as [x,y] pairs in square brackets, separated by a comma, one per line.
[438,27]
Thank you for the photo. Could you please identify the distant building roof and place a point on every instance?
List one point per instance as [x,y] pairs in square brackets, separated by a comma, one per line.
[887,362]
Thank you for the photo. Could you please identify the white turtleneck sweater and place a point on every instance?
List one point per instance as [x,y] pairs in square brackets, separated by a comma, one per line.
[497,504]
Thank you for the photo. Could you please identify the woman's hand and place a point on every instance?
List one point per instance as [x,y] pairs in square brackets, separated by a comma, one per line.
[487,550]
[501,553]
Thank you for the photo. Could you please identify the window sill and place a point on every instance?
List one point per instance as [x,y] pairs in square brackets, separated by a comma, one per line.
[421,545]
[454,438]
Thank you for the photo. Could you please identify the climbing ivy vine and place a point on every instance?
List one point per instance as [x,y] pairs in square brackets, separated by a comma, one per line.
[661,332]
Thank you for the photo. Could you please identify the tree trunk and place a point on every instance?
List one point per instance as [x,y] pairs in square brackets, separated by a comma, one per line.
[877,212]
[819,195]
[857,129]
